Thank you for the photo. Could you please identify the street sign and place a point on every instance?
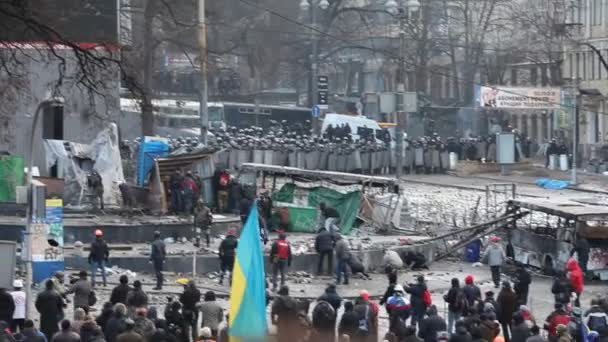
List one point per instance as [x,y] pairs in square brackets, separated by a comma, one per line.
[322,90]
[316,111]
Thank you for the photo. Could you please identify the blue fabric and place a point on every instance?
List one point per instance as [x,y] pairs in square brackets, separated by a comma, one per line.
[148,151]
[553,184]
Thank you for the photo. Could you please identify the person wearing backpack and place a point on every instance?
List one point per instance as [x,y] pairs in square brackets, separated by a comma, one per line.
[457,303]
[507,305]
[595,318]
[417,292]
[368,319]
[431,325]
[471,291]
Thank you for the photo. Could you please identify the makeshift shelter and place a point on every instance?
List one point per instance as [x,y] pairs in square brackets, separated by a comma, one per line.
[76,161]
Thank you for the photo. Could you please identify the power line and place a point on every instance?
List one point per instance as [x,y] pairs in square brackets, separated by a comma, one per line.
[388,53]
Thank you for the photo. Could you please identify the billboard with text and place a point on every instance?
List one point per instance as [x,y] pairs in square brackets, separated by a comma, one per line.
[517,98]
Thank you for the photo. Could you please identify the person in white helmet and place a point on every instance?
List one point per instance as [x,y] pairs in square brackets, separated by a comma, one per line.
[20,300]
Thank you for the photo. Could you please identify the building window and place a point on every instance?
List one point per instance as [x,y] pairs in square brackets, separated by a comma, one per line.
[571,65]
[592,65]
[596,12]
[533,75]
[514,76]
[584,76]
[543,76]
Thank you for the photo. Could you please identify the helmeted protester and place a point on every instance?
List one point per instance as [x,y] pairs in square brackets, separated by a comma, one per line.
[431,325]
[367,315]
[20,300]
[471,291]
[157,257]
[50,306]
[280,256]
[121,291]
[398,307]
[227,253]
[495,257]
[98,257]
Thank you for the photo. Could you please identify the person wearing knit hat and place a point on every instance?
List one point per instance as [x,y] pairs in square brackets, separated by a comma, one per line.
[471,291]
[562,334]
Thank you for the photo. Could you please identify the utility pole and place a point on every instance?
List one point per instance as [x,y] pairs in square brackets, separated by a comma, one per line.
[399,127]
[315,68]
[203,96]
[575,116]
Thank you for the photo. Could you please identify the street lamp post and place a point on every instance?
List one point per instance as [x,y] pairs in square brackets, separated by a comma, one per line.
[306,6]
[30,198]
[403,14]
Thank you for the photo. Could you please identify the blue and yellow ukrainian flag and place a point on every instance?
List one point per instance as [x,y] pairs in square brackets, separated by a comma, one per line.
[248,293]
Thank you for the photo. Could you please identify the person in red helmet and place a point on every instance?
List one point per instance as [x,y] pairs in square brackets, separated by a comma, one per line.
[98,257]
[471,291]
[495,256]
[575,275]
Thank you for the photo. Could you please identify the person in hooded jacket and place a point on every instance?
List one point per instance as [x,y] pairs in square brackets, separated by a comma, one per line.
[471,291]
[50,305]
[332,297]
[431,325]
[106,312]
[324,322]
[137,298]
[392,281]
[398,307]
[461,334]
[489,328]
[189,299]
[520,331]
[324,245]
[121,291]
[417,298]
[349,323]
[456,301]
[507,305]
[576,277]
[595,318]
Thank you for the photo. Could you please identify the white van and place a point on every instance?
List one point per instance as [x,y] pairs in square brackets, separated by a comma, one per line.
[353,121]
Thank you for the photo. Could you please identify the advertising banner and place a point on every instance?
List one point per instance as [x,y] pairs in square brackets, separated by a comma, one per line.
[47,242]
[517,98]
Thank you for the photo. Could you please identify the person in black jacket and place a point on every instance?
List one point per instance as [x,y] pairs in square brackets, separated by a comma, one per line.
[390,290]
[7,306]
[121,291]
[417,293]
[331,217]
[520,330]
[227,253]
[106,313]
[189,299]
[116,325]
[98,257]
[332,297]
[471,291]
[349,324]
[137,298]
[157,257]
[522,280]
[561,289]
[461,334]
[50,306]
[324,245]
[431,325]
[456,301]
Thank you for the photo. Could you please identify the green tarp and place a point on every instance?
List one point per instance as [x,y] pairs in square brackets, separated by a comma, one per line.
[302,218]
[11,176]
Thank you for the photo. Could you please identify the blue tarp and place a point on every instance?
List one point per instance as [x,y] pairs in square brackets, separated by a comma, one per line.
[553,184]
[148,151]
